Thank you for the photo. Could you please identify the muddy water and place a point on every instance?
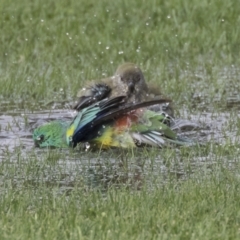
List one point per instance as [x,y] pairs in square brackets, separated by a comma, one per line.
[67,168]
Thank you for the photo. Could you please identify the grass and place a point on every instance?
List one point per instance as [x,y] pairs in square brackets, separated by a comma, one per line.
[191,50]
[49,49]
[204,207]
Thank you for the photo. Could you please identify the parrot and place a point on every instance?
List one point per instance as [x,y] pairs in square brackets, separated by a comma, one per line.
[111,123]
[128,80]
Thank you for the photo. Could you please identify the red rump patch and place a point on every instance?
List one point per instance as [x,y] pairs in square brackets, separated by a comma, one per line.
[126,121]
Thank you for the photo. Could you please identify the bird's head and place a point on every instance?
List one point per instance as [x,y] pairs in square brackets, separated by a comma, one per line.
[132,76]
[50,135]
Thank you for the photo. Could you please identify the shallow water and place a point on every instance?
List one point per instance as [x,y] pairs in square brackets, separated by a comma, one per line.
[67,168]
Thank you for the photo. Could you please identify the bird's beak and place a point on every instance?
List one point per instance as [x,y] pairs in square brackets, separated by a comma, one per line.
[131,87]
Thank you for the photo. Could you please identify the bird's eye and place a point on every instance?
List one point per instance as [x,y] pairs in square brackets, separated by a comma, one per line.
[136,78]
[40,138]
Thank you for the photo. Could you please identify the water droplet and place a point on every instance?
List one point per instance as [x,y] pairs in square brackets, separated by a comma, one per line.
[42,20]
[99,43]
[67,34]
[120,52]
[26,39]
[147,23]
[107,47]
[138,49]
[87,146]
[168,16]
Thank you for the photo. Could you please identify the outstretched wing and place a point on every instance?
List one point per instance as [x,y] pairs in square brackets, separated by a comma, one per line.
[86,124]
[79,127]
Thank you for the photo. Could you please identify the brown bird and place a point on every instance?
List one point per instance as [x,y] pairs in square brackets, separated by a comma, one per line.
[128,81]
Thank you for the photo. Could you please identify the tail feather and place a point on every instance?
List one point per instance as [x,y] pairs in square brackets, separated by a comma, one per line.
[144,139]
[154,138]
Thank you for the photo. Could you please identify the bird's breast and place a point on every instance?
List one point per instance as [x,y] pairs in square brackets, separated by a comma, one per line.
[127,120]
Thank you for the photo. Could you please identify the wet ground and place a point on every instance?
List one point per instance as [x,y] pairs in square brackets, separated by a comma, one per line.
[67,168]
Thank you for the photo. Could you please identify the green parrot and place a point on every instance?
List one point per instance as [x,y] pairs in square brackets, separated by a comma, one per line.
[129,81]
[111,123]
